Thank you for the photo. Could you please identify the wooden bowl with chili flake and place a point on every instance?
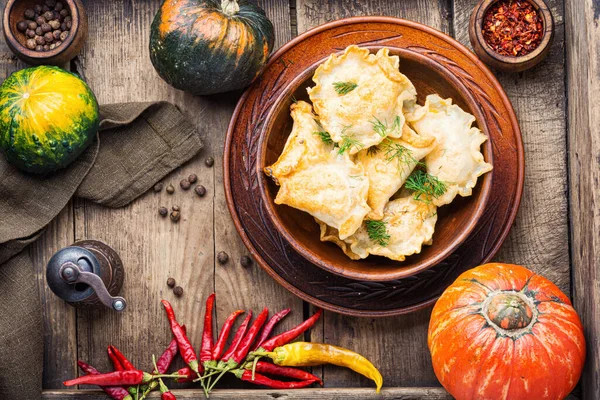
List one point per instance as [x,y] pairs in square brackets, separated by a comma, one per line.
[511,35]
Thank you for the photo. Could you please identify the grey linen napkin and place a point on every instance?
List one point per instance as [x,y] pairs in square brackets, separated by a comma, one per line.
[138,145]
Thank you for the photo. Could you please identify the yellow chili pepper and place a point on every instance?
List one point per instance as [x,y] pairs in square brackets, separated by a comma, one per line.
[303,354]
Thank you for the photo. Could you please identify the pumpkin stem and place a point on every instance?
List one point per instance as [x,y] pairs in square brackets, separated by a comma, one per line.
[509,311]
[230,7]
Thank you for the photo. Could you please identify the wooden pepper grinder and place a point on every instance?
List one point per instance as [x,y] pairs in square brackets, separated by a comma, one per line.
[87,273]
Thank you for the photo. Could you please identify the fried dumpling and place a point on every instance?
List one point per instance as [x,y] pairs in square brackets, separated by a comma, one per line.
[389,164]
[359,97]
[456,160]
[407,225]
[316,179]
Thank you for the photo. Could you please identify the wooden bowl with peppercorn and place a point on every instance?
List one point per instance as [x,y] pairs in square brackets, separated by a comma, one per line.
[45,31]
[511,36]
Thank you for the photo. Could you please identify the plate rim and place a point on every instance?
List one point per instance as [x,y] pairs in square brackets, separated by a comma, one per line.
[362,20]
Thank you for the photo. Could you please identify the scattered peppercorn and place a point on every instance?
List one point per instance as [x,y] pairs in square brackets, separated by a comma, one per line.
[222,257]
[200,190]
[178,291]
[512,28]
[175,215]
[158,187]
[185,184]
[170,189]
[163,211]
[170,282]
[209,162]
[246,261]
[193,178]
[175,208]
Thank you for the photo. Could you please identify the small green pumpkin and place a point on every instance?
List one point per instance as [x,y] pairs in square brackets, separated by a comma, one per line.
[48,116]
[204,47]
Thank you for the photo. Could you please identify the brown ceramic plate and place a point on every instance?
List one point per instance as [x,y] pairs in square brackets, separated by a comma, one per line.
[461,76]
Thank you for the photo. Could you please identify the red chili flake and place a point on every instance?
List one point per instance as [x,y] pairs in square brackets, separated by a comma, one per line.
[512,27]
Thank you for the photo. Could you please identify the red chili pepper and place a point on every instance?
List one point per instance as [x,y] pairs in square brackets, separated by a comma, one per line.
[292,334]
[259,379]
[115,361]
[115,392]
[224,335]
[270,325]
[289,372]
[165,393]
[187,371]
[165,360]
[185,347]
[127,365]
[117,378]
[207,333]
[237,338]
[244,346]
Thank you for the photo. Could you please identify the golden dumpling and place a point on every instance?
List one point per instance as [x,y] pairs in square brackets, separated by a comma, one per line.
[407,225]
[456,160]
[359,97]
[316,179]
[389,164]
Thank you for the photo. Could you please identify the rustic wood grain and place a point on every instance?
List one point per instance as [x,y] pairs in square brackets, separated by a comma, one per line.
[539,238]
[258,394]
[583,39]
[397,346]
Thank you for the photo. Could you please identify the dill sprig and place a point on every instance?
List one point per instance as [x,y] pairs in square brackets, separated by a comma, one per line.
[382,129]
[349,142]
[396,151]
[426,185]
[343,88]
[377,232]
[325,137]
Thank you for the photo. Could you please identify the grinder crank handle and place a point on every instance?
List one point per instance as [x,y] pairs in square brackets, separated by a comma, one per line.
[72,274]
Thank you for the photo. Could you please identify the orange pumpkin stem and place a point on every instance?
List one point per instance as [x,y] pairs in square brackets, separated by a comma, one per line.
[509,310]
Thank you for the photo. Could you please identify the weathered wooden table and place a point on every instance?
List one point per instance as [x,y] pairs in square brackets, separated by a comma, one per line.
[554,234]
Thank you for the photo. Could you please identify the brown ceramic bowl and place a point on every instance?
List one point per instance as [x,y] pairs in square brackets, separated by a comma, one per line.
[506,63]
[455,221]
[13,13]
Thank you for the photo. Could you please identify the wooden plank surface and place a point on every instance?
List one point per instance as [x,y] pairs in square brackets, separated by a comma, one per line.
[584,157]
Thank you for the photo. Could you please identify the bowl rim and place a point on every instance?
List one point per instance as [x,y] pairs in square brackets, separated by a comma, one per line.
[484,183]
[548,32]
[227,173]
[40,55]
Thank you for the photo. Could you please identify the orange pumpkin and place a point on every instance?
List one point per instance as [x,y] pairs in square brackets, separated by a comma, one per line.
[502,332]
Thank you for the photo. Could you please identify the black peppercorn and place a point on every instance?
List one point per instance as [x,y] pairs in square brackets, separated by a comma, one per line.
[54,24]
[32,25]
[68,18]
[46,27]
[170,282]
[52,46]
[49,37]
[40,20]
[193,178]
[222,257]
[163,211]
[58,6]
[22,26]
[49,15]
[37,9]
[58,43]
[45,8]
[46,47]
[30,33]
[158,187]
[209,162]
[69,24]
[175,215]
[29,13]
[31,44]
[245,261]
[39,48]
[64,12]
[185,184]
[50,3]
[63,27]
[56,34]
[40,40]
[200,190]
[178,291]
[39,31]
[170,189]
